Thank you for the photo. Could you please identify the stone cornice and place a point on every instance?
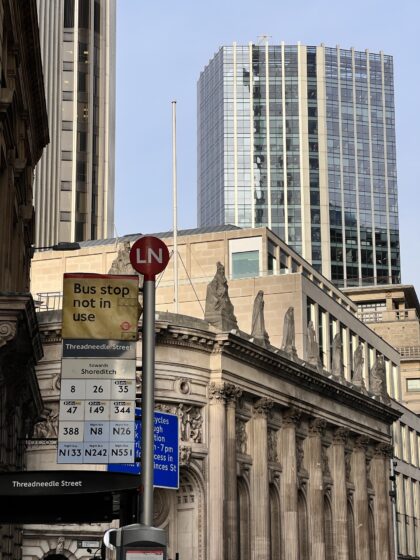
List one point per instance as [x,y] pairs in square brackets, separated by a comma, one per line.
[196,334]
[18,323]
[278,364]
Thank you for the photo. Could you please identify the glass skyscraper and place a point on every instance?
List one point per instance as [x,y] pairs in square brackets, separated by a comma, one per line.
[302,139]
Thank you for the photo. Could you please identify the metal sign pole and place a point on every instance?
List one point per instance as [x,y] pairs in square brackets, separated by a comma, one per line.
[148,405]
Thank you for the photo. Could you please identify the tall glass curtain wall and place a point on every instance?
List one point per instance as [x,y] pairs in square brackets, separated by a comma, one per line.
[302,140]
[362,179]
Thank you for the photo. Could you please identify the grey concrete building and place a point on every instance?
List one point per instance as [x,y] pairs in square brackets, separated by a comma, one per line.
[74,186]
[302,139]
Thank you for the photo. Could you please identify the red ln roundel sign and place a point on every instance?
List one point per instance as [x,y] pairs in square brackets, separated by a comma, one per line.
[149,256]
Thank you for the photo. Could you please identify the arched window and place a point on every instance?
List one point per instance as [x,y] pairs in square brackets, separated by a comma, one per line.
[190,530]
[244,526]
[351,532]
[372,540]
[275,540]
[303,527]
[329,531]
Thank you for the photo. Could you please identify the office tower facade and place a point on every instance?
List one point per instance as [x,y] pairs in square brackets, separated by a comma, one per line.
[302,139]
[74,186]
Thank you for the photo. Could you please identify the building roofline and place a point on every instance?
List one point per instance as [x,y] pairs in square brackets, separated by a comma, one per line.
[408,289]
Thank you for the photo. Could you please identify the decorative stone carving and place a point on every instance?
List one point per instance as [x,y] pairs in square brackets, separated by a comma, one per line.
[300,455]
[337,358]
[313,348]
[48,427]
[378,380]
[223,391]
[340,436]
[182,385]
[191,423]
[361,443]
[258,331]
[7,332]
[288,343]
[185,455]
[347,463]
[317,427]
[325,463]
[232,393]
[369,457]
[263,406]
[169,408]
[219,311]
[56,381]
[291,416]
[358,361]
[59,549]
[241,437]
[384,449]
[272,446]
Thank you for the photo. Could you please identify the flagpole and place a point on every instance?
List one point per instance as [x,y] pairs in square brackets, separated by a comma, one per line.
[175,209]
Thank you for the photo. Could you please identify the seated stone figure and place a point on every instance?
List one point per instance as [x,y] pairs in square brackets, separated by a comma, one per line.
[219,311]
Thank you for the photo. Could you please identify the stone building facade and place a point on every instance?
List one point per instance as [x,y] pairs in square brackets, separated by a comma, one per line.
[23,134]
[256,260]
[278,459]
[393,312]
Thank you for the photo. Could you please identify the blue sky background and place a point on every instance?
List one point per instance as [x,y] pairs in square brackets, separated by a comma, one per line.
[163,46]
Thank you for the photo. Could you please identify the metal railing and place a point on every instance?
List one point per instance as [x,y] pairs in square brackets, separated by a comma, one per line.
[49,301]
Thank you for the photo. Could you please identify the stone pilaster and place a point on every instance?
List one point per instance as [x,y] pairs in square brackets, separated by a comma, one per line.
[337,463]
[360,497]
[232,393]
[217,469]
[379,473]
[314,465]
[289,484]
[260,506]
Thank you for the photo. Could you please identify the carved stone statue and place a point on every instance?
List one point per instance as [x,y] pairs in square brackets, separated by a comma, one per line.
[122,265]
[288,344]
[358,361]
[48,427]
[378,379]
[219,310]
[258,331]
[313,347]
[241,437]
[337,358]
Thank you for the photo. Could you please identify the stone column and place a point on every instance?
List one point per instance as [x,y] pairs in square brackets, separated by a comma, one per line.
[289,484]
[336,454]
[217,469]
[360,497]
[260,505]
[232,394]
[379,473]
[314,465]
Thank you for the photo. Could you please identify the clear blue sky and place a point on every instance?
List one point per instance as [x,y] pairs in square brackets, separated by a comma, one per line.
[163,46]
